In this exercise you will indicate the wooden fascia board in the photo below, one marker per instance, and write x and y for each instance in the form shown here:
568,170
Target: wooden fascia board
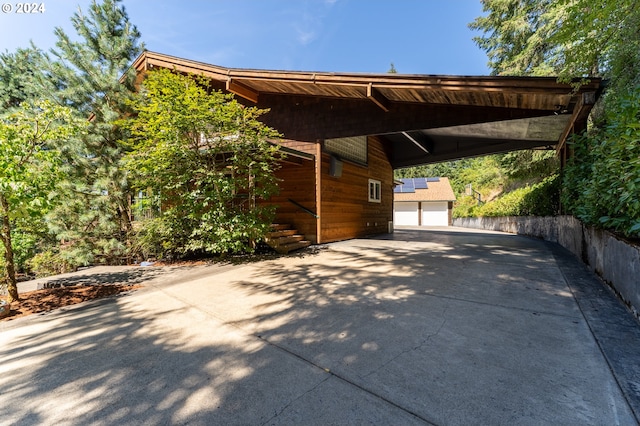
370,85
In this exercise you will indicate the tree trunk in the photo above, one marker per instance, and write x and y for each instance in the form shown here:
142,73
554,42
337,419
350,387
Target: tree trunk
10,270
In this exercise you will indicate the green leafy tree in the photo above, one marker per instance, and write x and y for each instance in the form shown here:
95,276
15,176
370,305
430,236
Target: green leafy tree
516,33
22,80
575,40
569,39
529,165
208,160
30,166
602,182
93,76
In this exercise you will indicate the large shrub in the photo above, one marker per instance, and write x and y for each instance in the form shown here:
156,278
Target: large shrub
602,182
208,160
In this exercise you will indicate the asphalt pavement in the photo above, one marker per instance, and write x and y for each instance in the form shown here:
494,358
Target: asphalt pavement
440,326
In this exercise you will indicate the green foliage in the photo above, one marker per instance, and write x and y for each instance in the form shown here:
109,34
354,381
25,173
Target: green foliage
483,173
516,34
30,169
49,262
578,39
209,161
25,245
540,199
529,164
152,239
603,180
93,76
21,78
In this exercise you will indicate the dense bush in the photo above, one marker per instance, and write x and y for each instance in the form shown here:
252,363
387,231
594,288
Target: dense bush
208,160
602,182
49,262
540,199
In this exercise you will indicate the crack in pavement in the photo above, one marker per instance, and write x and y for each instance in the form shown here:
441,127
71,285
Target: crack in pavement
415,348
348,381
309,361
283,409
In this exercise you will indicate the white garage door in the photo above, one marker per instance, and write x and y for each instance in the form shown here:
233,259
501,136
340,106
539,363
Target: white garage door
405,213
435,214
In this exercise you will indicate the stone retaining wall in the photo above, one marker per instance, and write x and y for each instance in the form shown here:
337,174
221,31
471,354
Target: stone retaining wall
615,261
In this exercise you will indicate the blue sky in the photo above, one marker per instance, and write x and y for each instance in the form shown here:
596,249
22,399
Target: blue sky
417,36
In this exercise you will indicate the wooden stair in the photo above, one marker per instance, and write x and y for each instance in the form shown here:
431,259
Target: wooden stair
283,239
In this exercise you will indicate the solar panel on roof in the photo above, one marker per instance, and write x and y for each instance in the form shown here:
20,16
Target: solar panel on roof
408,182
406,187
420,183
409,185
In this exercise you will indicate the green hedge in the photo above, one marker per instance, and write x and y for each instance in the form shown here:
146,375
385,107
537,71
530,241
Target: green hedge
540,199
602,182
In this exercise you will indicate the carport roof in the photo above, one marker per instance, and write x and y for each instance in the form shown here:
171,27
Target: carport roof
427,118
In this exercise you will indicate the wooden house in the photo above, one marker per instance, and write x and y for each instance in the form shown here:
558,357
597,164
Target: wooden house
345,133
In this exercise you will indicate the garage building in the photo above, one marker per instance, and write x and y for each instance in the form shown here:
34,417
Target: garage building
423,202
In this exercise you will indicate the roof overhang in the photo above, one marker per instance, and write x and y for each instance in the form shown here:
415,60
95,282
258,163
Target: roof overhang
426,118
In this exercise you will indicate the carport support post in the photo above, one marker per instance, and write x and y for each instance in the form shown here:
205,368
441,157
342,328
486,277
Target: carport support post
319,192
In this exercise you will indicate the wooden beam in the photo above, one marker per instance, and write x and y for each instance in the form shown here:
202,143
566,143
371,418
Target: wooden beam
319,193
427,150
377,98
242,90
580,113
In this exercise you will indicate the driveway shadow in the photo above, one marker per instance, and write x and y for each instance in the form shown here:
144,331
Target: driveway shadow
438,327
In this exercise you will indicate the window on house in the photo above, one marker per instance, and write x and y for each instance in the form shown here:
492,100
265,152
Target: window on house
374,191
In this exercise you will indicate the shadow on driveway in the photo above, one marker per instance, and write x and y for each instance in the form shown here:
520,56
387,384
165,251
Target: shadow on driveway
419,327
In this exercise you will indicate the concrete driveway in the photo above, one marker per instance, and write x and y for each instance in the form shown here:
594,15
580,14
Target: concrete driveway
445,327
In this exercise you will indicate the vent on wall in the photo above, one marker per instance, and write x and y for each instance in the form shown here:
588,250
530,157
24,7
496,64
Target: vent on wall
351,149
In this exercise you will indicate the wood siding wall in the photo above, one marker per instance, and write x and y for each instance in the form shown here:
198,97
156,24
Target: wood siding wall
346,209
298,183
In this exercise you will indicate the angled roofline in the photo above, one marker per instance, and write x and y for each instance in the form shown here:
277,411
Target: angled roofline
415,100
370,81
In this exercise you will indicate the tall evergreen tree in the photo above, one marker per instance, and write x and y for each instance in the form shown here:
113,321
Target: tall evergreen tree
93,76
578,38
21,78
581,39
